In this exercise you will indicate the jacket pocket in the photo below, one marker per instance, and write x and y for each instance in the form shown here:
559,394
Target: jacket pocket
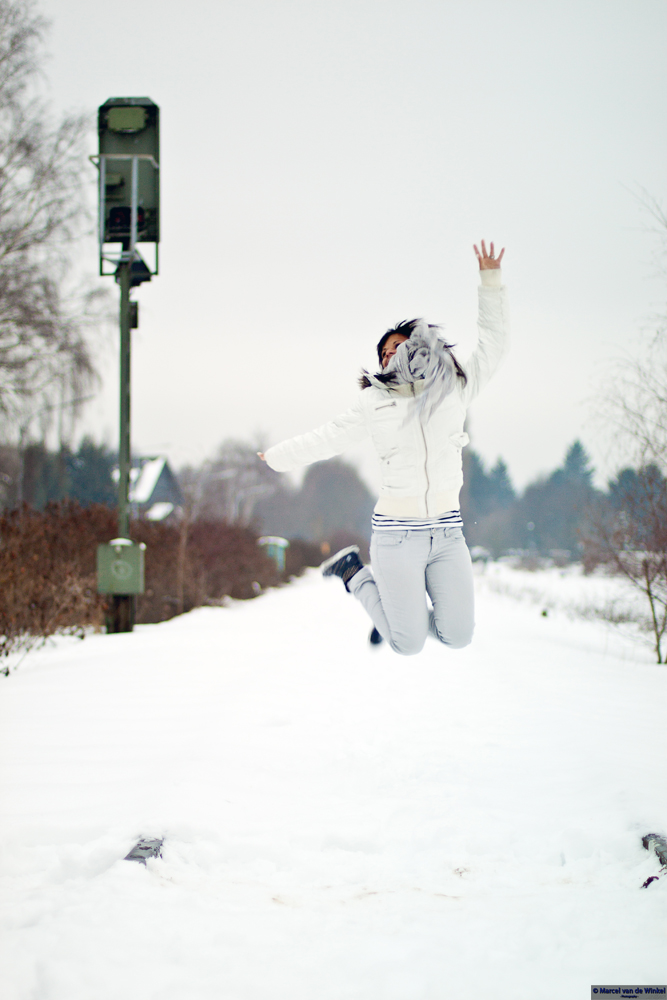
385,425
389,539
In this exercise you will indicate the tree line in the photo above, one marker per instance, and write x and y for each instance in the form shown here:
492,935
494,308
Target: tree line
333,505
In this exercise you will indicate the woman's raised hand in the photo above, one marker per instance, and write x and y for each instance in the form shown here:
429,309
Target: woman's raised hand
487,261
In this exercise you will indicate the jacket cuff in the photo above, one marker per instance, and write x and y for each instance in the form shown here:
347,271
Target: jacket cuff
273,461
492,277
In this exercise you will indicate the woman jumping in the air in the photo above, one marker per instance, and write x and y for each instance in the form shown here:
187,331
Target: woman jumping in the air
414,410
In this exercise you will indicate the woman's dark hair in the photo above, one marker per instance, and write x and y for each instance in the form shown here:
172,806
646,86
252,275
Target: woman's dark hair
406,328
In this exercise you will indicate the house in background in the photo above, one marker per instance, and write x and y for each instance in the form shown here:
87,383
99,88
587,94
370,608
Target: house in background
154,489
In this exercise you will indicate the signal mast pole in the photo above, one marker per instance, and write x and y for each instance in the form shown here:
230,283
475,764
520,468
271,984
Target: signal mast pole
124,445
129,213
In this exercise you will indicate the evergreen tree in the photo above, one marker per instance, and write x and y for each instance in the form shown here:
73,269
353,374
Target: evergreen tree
44,476
486,502
555,506
476,498
501,489
84,475
622,486
577,466
89,474
635,487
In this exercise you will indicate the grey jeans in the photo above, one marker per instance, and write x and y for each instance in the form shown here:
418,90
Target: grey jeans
406,566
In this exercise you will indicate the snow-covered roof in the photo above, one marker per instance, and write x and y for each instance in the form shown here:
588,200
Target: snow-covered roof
159,511
142,489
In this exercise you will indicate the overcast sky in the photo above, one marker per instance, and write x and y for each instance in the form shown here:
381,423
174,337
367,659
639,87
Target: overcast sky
325,170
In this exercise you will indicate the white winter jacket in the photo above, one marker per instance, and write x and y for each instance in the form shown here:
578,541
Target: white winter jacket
421,461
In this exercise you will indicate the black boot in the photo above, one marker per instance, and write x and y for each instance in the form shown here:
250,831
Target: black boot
375,638
343,564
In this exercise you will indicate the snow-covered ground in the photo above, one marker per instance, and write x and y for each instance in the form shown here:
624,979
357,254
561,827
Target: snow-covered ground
340,824
599,596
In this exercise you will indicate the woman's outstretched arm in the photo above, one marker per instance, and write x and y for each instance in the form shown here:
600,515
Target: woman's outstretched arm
324,442
492,322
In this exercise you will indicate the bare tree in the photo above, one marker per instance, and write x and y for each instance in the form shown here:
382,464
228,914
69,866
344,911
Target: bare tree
628,532
194,483
231,483
223,489
45,355
632,403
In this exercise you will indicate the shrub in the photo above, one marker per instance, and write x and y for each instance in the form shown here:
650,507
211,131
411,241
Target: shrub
628,535
47,572
48,569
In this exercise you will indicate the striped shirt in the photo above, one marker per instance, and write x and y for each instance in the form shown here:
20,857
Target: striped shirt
451,519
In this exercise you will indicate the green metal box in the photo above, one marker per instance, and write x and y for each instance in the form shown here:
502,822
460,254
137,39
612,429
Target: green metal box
275,548
120,567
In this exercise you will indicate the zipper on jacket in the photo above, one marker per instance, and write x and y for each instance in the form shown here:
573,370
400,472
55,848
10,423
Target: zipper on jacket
421,427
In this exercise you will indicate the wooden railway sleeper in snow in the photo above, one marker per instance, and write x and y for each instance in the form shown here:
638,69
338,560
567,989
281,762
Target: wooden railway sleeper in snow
145,848
654,842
